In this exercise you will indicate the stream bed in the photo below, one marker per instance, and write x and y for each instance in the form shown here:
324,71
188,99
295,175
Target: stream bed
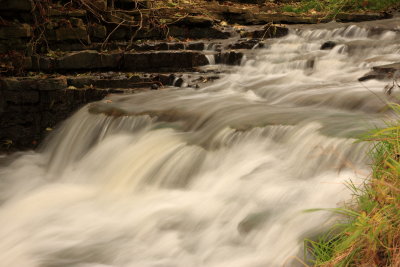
218,176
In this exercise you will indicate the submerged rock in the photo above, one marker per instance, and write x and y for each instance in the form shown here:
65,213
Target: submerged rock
252,221
328,45
382,72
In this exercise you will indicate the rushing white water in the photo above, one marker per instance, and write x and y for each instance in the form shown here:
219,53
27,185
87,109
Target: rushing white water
212,177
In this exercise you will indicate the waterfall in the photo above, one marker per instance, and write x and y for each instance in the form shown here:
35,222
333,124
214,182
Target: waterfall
214,177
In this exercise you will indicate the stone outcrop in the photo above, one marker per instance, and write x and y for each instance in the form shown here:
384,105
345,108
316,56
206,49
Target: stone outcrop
72,56
31,107
129,61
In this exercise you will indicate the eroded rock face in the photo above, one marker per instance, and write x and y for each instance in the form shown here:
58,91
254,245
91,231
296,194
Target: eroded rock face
29,106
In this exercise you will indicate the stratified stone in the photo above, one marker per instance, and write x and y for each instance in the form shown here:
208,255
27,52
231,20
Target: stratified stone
164,60
198,32
52,84
68,13
21,97
358,17
269,31
195,21
86,60
74,33
17,84
16,5
26,84
15,30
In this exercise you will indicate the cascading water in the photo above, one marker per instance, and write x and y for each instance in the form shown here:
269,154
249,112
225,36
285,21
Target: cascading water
212,177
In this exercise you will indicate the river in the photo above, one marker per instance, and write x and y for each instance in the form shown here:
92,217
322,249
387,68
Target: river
218,176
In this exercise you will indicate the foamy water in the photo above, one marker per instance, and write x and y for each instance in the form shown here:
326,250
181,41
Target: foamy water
212,177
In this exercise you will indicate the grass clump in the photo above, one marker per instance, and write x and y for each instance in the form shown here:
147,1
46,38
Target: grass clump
336,6
369,233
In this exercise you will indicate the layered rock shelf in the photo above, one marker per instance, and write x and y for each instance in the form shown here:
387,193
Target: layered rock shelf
56,58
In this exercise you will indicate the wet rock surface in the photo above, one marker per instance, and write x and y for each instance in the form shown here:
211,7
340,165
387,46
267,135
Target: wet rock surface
120,56
328,45
389,71
30,109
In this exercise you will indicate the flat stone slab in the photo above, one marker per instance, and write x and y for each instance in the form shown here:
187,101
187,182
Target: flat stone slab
120,80
66,13
16,5
15,30
164,61
33,83
130,61
264,32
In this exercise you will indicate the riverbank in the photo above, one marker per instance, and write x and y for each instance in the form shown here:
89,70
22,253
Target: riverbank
368,234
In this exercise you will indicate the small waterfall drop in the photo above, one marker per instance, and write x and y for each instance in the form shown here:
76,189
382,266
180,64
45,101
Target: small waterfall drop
212,177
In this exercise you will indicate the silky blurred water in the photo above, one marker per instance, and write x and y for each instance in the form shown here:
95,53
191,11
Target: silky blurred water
212,177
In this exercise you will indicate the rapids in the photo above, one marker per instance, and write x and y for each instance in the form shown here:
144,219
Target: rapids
214,177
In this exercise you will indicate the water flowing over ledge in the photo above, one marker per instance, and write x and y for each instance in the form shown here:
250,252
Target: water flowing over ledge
211,177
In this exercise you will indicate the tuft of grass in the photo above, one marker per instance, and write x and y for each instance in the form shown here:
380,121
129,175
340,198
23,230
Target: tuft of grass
333,7
369,232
